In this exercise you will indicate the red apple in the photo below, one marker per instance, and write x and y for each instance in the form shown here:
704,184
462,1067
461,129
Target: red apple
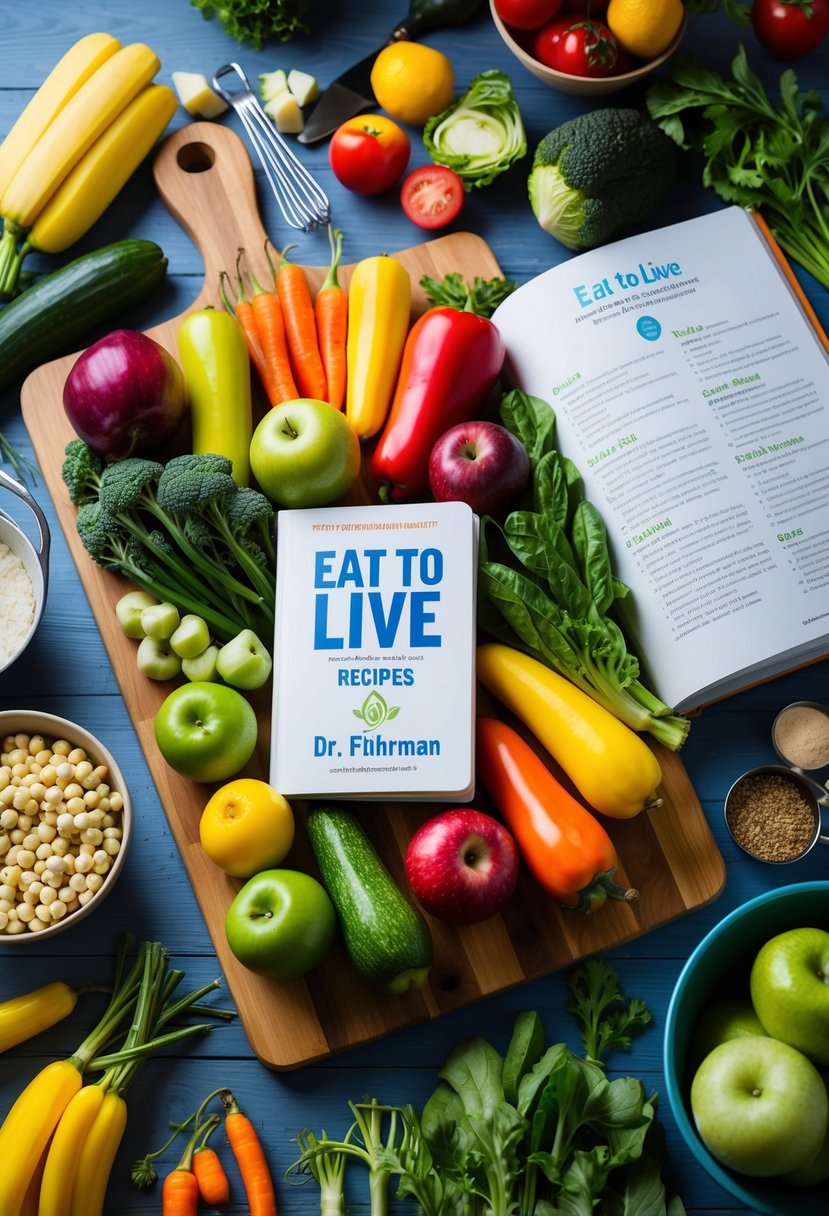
480,463
462,866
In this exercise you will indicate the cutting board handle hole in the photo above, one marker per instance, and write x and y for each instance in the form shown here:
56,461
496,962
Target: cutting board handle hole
195,158
449,981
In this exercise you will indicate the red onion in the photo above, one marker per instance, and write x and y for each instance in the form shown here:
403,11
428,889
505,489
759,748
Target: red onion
125,395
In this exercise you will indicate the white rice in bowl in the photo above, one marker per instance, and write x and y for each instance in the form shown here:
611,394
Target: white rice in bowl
17,603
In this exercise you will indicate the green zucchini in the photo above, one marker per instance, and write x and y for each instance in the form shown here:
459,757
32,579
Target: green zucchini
385,936
55,314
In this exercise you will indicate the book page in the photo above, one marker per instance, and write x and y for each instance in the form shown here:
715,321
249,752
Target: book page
693,395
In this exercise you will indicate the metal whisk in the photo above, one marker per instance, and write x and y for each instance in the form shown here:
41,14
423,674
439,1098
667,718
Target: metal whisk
302,201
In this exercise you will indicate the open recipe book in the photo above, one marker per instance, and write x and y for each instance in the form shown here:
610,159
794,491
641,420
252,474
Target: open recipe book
690,382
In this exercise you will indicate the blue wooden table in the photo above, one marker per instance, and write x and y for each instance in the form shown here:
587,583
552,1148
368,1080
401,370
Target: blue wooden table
66,671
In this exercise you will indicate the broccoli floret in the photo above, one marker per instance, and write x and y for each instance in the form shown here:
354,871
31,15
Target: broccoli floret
81,472
127,484
599,174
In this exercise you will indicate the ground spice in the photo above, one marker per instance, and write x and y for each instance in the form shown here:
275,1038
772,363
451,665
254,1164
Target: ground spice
771,816
801,734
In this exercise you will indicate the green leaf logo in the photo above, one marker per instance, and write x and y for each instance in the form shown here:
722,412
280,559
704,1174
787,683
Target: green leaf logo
374,711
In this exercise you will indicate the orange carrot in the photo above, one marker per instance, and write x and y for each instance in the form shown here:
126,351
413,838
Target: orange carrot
214,1186
244,315
301,328
331,311
180,1193
250,1158
270,323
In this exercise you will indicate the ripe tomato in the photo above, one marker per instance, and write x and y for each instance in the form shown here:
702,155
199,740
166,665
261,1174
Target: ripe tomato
526,14
369,153
432,196
790,28
579,48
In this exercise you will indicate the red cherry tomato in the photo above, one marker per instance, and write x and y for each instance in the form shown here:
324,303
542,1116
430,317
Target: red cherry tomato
526,14
790,28
432,195
579,48
369,153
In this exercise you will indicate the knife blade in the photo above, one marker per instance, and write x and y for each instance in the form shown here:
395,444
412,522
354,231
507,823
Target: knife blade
351,93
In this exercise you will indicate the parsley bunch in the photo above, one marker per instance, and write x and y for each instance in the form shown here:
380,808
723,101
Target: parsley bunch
256,21
771,155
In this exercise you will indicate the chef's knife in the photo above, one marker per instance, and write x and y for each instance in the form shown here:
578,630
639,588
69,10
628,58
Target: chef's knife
351,92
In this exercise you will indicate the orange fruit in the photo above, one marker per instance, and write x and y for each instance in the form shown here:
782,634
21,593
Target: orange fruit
412,81
645,27
246,827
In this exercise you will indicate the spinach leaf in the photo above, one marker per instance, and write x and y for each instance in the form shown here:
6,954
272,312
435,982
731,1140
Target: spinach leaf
524,1051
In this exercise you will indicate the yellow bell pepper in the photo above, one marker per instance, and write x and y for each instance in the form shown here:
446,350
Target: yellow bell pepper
609,764
379,310
216,366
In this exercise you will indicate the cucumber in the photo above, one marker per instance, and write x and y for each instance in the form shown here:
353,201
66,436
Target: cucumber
386,937
57,312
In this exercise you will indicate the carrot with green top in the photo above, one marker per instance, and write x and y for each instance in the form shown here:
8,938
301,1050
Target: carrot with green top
180,1193
331,309
270,322
250,1158
214,1185
301,328
243,312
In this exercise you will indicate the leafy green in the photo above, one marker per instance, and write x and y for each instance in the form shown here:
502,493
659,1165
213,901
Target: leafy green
537,1132
607,1021
482,297
551,590
256,21
481,134
769,155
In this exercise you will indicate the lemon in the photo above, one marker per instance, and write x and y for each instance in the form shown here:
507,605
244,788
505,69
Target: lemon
412,81
645,27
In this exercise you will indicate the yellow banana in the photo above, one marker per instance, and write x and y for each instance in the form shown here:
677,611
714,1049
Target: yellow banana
62,83
24,1016
97,1157
93,183
28,1126
87,114
65,1151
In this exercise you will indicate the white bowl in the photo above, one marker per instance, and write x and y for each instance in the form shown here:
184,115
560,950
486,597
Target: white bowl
585,86
35,560
53,728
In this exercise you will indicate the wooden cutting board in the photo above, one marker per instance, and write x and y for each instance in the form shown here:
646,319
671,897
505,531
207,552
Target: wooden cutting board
205,177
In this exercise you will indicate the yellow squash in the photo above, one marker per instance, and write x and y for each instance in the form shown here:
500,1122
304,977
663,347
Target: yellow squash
82,59
611,766
28,1126
71,1134
83,196
22,1017
86,115
216,366
97,1157
379,310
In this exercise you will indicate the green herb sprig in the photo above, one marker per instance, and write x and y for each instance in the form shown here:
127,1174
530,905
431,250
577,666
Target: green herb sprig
257,21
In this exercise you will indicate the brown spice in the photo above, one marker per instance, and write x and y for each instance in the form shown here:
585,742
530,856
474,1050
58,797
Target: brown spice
771,817
801,734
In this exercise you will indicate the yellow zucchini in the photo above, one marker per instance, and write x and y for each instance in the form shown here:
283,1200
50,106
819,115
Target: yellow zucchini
610,765
22,1017
71,1134
97,1157
28,1126
62,83
98,101
93,183
379,311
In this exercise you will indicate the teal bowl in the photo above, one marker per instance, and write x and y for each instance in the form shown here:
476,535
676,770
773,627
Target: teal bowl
719,967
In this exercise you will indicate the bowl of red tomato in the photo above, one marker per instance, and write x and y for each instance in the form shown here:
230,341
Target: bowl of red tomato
571,45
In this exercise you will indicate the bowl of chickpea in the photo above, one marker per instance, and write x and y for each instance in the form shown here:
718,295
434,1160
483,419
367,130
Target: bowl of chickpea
65,824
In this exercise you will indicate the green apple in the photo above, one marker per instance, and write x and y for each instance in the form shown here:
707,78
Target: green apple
244,661
281,924
305,453
206,731
814,1171
192,636
790,990
128,612
727,1019
156,659
202,666
160,620
760,1106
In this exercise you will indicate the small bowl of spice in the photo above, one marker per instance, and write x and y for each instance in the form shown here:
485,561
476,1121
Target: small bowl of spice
800,735
773,814
24,575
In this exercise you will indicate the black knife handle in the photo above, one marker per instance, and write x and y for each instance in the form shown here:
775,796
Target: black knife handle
424,15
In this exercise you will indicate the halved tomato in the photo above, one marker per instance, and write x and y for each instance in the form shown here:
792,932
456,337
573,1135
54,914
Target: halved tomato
431,196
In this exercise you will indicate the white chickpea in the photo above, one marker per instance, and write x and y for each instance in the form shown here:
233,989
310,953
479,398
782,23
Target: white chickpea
111,846
25,912
48,896
26,859
46,833
5,845
60,847
55,864
94,882
31,842
80,820
92,836
83,863
78,883
76,807
8,818
57,910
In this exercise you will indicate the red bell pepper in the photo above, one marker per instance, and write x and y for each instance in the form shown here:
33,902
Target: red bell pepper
451,361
